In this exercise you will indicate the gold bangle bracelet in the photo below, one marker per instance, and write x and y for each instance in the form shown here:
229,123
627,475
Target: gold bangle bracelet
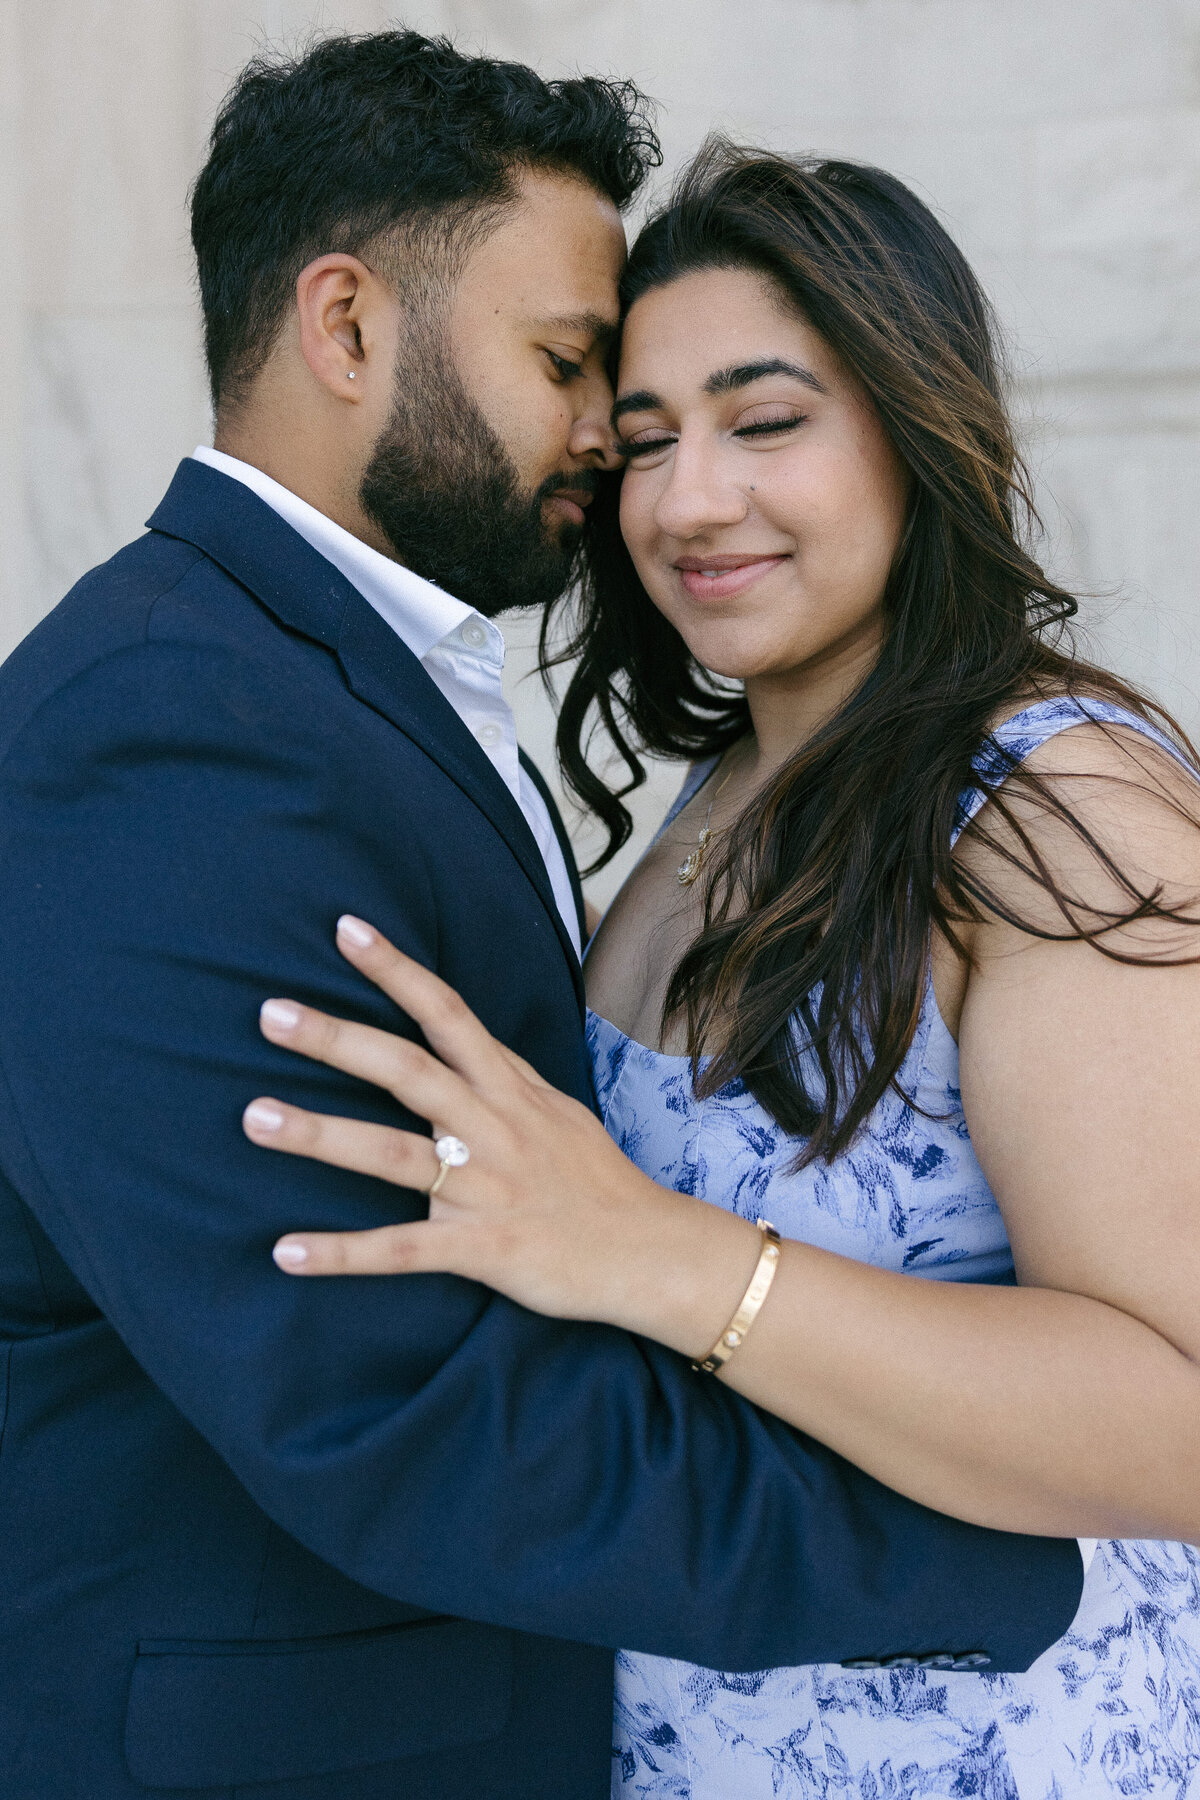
734,1333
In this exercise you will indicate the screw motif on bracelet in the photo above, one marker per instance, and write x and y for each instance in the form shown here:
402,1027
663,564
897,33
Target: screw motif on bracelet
734,1333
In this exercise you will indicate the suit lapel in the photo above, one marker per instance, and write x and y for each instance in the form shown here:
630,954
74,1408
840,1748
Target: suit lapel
260,550
385,674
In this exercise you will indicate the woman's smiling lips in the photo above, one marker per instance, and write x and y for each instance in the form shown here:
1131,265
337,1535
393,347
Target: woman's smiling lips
717,577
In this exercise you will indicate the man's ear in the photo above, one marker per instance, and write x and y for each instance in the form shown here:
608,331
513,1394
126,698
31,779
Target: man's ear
346,324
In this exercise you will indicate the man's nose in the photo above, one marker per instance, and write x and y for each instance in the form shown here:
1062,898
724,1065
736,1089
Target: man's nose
592,436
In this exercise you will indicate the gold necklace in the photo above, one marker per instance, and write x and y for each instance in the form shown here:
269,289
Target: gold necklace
693,862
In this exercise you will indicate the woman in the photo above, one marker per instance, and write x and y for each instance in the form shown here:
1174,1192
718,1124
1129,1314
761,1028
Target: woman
910,971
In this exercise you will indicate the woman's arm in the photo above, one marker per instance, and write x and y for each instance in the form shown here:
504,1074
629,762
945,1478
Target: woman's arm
1070,1405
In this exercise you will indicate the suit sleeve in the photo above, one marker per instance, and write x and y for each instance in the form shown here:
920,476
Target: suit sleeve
176,846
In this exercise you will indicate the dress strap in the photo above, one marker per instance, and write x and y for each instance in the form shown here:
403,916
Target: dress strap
1011,742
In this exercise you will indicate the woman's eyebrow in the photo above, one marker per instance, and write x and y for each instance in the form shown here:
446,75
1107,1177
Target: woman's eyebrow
725,381
640,401
740,375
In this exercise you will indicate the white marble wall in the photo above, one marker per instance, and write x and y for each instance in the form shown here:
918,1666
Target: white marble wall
1059,138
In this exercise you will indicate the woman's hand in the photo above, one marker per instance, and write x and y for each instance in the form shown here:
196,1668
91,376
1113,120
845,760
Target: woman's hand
547,1210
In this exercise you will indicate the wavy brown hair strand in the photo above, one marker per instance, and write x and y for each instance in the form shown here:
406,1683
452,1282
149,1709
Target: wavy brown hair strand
807,979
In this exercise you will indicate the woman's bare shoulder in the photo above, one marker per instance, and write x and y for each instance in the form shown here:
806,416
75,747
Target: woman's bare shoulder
1103,816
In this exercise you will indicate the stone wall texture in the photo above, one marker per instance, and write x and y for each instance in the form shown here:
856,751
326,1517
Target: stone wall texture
1058,139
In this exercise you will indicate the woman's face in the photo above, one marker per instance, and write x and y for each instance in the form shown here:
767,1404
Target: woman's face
762,502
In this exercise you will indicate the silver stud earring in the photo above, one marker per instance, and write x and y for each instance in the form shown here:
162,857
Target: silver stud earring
350,375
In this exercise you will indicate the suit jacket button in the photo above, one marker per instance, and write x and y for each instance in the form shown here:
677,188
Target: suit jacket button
900,1662
862,1662
971,1659
941,1659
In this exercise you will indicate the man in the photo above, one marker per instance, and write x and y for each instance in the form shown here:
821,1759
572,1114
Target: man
312,1539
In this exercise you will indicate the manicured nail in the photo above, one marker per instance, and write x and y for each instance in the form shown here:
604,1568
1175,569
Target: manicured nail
262,1116
290,1256
281,1013
355,932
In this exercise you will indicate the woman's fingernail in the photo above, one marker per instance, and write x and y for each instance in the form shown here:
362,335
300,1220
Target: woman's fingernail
281,1013
290,1256
355,932
262,1116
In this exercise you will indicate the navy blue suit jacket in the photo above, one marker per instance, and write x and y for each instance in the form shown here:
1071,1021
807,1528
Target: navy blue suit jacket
337,1538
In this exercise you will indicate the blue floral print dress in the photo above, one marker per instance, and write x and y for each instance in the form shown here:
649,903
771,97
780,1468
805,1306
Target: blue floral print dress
1114,1707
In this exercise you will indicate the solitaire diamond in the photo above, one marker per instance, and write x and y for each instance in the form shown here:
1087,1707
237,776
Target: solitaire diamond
452,1151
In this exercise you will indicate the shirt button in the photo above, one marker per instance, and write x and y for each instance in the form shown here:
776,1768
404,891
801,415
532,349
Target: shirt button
489,736
474,634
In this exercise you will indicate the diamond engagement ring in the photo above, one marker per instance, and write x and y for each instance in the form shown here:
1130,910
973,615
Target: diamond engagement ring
451,1153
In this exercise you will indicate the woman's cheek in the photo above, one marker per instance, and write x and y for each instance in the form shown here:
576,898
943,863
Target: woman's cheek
638,528
630,510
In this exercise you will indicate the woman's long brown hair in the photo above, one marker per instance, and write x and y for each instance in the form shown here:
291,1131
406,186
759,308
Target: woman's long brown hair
807,979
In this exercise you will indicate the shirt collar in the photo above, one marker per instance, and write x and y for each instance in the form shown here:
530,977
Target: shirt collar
420,613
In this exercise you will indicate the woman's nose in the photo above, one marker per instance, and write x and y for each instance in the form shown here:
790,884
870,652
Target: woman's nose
697,496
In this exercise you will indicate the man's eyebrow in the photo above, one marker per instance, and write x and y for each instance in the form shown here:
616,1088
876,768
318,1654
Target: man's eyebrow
740,375
591,324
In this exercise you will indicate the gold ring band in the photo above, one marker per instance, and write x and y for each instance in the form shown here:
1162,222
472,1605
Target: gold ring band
451,1153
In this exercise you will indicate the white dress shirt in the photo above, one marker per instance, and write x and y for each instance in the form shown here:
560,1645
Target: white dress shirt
460,650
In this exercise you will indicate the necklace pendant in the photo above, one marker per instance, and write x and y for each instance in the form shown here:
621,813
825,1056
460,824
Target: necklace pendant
690,867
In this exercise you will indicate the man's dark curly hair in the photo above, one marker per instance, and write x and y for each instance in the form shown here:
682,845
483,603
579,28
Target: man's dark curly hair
388,134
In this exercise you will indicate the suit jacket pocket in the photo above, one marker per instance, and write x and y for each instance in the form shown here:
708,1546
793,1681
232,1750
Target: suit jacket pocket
223,1714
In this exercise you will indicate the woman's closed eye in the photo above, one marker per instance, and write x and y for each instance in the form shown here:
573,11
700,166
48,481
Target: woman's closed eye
770,426
759,424
645,443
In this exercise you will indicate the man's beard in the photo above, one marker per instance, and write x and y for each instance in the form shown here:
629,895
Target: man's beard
445,493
